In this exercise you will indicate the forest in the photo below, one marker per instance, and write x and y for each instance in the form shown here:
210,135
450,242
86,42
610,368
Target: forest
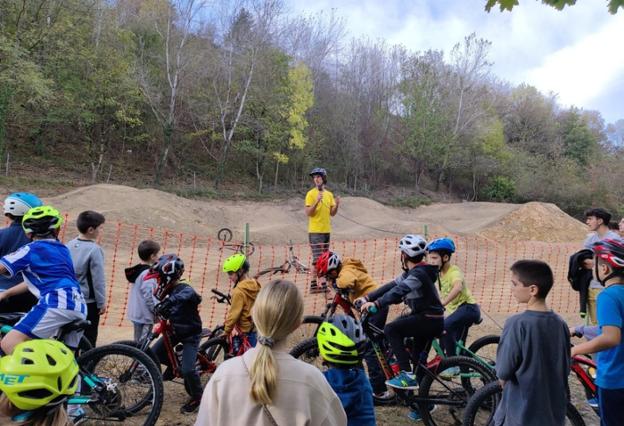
215,95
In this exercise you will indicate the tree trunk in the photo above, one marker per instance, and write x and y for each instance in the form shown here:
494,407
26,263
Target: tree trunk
168,139
277,163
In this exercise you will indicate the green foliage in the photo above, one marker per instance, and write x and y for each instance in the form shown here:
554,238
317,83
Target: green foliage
301,99
613,5
412,201
501,188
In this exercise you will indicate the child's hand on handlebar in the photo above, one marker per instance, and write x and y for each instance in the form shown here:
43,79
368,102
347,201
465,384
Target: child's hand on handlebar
368,307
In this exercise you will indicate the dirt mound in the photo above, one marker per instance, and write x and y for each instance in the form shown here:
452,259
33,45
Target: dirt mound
537,222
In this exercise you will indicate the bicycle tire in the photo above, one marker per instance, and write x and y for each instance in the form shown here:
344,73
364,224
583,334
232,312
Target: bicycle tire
308,352
455,392
213,349
149,351
573,417
84,345
247,250
224,234
485,348
90,360
486,398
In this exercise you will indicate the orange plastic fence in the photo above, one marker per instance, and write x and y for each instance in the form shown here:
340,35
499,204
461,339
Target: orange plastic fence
485,264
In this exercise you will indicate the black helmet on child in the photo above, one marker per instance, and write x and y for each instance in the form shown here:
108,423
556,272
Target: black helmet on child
321,172
169,269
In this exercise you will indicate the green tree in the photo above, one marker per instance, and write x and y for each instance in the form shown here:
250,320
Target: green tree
613,5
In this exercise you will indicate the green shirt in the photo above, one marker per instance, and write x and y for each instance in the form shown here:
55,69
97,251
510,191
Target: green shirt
446,282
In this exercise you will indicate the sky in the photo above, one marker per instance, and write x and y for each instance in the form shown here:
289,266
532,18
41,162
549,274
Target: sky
577,53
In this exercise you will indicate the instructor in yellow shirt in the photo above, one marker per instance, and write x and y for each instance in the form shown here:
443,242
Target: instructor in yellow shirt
320,205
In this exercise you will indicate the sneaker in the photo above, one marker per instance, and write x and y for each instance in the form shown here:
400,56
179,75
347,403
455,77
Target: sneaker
403,380
450,373
593,402
415,416
384,398
191,406
76,414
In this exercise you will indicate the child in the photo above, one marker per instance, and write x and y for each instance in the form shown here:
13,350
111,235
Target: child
88,259
609,344
141,300
351,274
533,359
49,274
179,304
461,308
12,238
244,292
341,340
425,320
38,397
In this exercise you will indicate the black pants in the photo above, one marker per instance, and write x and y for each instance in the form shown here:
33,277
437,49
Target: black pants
421,328
375,374
190,346
93,315
463,317
20,303
610,402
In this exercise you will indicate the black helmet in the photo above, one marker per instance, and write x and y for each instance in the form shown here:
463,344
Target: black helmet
169,268
321,172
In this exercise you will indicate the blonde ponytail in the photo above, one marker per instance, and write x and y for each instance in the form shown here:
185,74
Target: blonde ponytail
277,311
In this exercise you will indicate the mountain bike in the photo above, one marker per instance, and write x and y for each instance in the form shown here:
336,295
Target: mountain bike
292,261
118,384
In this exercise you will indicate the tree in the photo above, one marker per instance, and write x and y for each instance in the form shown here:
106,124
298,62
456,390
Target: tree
613,5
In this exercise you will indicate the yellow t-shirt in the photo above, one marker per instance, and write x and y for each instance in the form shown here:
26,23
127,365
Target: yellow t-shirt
451,276
319,222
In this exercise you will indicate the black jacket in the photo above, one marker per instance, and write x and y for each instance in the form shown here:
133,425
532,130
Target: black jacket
415,287
579,276
181,308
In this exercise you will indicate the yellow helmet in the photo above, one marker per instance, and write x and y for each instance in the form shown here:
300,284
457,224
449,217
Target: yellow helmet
40,372
235,263
42,220
341,340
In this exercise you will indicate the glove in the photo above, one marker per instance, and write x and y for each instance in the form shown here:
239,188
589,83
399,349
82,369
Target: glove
162,309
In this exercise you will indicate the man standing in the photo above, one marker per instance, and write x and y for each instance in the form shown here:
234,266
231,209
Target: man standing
320,205
598,222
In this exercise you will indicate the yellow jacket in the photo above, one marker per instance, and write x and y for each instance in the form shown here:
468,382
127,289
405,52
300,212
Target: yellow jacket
354,276
243,298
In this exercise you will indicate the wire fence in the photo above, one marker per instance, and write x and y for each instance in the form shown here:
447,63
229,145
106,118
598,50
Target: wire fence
485,264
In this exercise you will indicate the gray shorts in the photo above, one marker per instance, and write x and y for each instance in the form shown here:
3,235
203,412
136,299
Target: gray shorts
318,243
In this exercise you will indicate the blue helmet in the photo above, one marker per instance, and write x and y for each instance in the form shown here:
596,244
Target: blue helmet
443,245
18,203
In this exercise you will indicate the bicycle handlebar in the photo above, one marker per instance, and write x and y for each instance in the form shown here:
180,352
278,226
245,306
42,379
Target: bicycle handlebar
221,297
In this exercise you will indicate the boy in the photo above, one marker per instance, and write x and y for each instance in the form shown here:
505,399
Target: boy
179,304
341,340
49,274
141,300
597,221
533,359
350,274
461,307
244,292
88,258
12,238
609,345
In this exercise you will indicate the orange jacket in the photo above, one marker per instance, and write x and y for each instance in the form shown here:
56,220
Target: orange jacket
243,298
354,276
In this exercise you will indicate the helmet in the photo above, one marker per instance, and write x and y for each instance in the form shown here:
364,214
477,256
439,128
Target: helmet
413,245
341,339
442,245
169,268
319,171
611,252
235,263
326,262
41,220
40,372
18,203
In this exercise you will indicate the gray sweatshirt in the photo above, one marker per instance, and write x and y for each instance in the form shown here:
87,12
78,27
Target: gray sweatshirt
88,258
141,300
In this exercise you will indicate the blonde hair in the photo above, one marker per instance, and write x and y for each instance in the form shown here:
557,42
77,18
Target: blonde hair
277,312
58,418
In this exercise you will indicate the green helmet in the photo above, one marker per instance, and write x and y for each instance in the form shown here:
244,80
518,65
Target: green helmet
42,220
340,340
235,263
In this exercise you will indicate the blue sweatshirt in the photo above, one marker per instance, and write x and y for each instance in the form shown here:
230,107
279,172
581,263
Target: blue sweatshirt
356,395
11,238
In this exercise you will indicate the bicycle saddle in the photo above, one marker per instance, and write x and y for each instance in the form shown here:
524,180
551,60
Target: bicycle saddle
11,318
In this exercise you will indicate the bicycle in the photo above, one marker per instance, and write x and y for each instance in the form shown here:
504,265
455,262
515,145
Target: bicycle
224,234
292,261
482,407
117,383
247,248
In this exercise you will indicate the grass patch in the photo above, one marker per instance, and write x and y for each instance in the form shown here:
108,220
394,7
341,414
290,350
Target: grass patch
410,201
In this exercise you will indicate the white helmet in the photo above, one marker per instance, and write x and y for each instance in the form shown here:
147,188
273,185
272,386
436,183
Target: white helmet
18,203
413,245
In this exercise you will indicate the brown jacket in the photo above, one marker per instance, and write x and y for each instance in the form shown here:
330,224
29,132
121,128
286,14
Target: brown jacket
243,298
354,276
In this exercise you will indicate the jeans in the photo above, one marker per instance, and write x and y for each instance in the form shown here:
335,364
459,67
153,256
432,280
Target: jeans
190,346
465,315
610,402
423,329
141,331
375,374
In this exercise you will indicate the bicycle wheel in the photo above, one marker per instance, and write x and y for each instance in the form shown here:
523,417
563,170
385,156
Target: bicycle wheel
248,250
438,390
573,417
485,349
224,234
216,351
306,330
308,351
482,405
84,345
149,351
133,387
